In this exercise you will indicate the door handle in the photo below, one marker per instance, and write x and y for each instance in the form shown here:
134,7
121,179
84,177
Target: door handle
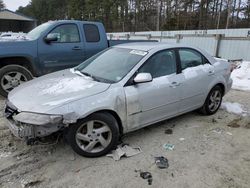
211,72
175,84
76,48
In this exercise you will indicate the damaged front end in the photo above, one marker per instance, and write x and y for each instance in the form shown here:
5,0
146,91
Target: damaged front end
31,126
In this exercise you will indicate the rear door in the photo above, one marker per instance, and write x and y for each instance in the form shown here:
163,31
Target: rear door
67,51
197,74
153,101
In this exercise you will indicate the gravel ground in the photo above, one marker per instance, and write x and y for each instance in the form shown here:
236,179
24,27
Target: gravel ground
212,154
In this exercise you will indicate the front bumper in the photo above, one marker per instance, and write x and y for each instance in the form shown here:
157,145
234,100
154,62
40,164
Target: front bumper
25,130
21,131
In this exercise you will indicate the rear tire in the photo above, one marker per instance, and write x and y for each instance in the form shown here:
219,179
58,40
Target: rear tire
12,76
94,136
213,101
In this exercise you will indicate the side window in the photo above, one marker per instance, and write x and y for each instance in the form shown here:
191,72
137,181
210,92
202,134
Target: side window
67,33
91,33
160,64
190,58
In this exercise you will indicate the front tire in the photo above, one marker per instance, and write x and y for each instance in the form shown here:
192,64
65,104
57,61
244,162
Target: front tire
12,76
95,135
213,101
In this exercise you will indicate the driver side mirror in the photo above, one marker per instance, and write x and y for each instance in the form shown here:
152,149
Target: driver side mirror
52,37
143,77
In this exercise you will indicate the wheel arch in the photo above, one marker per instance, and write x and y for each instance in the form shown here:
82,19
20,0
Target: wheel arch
115,115
222,86
18,60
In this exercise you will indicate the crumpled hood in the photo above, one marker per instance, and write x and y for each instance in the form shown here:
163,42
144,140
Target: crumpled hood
53,90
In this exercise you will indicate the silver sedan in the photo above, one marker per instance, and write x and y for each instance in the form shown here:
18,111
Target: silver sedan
119,90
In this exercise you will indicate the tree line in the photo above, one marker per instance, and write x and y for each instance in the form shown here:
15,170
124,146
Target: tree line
145,15
2,5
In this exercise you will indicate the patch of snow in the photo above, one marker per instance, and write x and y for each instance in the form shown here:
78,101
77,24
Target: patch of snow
67,85
241,77
5,154
9,36
193,71
234,108
220,59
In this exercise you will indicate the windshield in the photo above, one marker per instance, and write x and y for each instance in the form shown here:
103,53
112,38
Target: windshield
111,65
36,33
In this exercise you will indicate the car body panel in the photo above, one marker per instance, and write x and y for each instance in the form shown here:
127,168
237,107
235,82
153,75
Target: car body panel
148,102
136,105
53,90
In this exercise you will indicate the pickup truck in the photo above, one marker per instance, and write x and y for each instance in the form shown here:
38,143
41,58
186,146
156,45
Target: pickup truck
52,46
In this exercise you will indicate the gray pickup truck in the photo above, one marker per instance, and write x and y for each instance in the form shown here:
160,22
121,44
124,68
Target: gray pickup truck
52,46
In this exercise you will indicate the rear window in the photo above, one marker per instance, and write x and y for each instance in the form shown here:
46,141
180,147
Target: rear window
91,33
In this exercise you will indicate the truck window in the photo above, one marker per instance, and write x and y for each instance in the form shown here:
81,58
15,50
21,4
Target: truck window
91,33
66,33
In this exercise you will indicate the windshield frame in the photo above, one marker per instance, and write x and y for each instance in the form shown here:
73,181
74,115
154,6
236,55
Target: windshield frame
97,78
41,28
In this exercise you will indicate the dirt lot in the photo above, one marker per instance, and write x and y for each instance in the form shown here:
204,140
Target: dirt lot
212,155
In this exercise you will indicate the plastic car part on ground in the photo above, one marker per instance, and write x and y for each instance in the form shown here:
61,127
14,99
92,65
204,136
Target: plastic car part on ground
169,147
161,162
124,150
148,176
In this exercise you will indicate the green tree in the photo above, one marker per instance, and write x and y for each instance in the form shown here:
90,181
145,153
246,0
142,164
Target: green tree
76,9
145,15
2,5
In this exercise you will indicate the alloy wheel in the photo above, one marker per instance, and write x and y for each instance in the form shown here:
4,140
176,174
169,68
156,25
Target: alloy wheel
214,100
11,80
93,136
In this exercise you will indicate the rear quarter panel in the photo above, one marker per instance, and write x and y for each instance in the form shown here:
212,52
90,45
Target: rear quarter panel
222,75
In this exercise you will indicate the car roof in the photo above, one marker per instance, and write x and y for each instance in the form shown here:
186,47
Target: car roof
147,46
157,46
72,21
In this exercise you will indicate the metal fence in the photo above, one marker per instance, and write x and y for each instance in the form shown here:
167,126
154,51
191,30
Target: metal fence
232,44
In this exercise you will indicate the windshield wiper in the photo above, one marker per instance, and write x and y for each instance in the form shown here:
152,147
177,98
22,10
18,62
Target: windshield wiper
90,75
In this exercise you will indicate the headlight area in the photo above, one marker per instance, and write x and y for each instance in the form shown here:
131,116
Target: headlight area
37,119
29,125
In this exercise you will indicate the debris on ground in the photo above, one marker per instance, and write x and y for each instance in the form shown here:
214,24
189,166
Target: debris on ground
229,133
169,147
169,131
27,184
218,130
124,151
161,162
147,176
33,183
234,123
181,139
240,122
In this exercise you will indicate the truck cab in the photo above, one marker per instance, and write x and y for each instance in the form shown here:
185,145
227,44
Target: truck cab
52,46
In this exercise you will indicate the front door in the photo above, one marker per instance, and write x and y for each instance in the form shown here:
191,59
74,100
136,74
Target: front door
67,51
154,101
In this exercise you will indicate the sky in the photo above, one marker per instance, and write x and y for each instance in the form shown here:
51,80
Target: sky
14,4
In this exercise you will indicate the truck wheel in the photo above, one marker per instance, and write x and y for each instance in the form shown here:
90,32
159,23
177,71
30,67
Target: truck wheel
12,76
94,136
213,101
